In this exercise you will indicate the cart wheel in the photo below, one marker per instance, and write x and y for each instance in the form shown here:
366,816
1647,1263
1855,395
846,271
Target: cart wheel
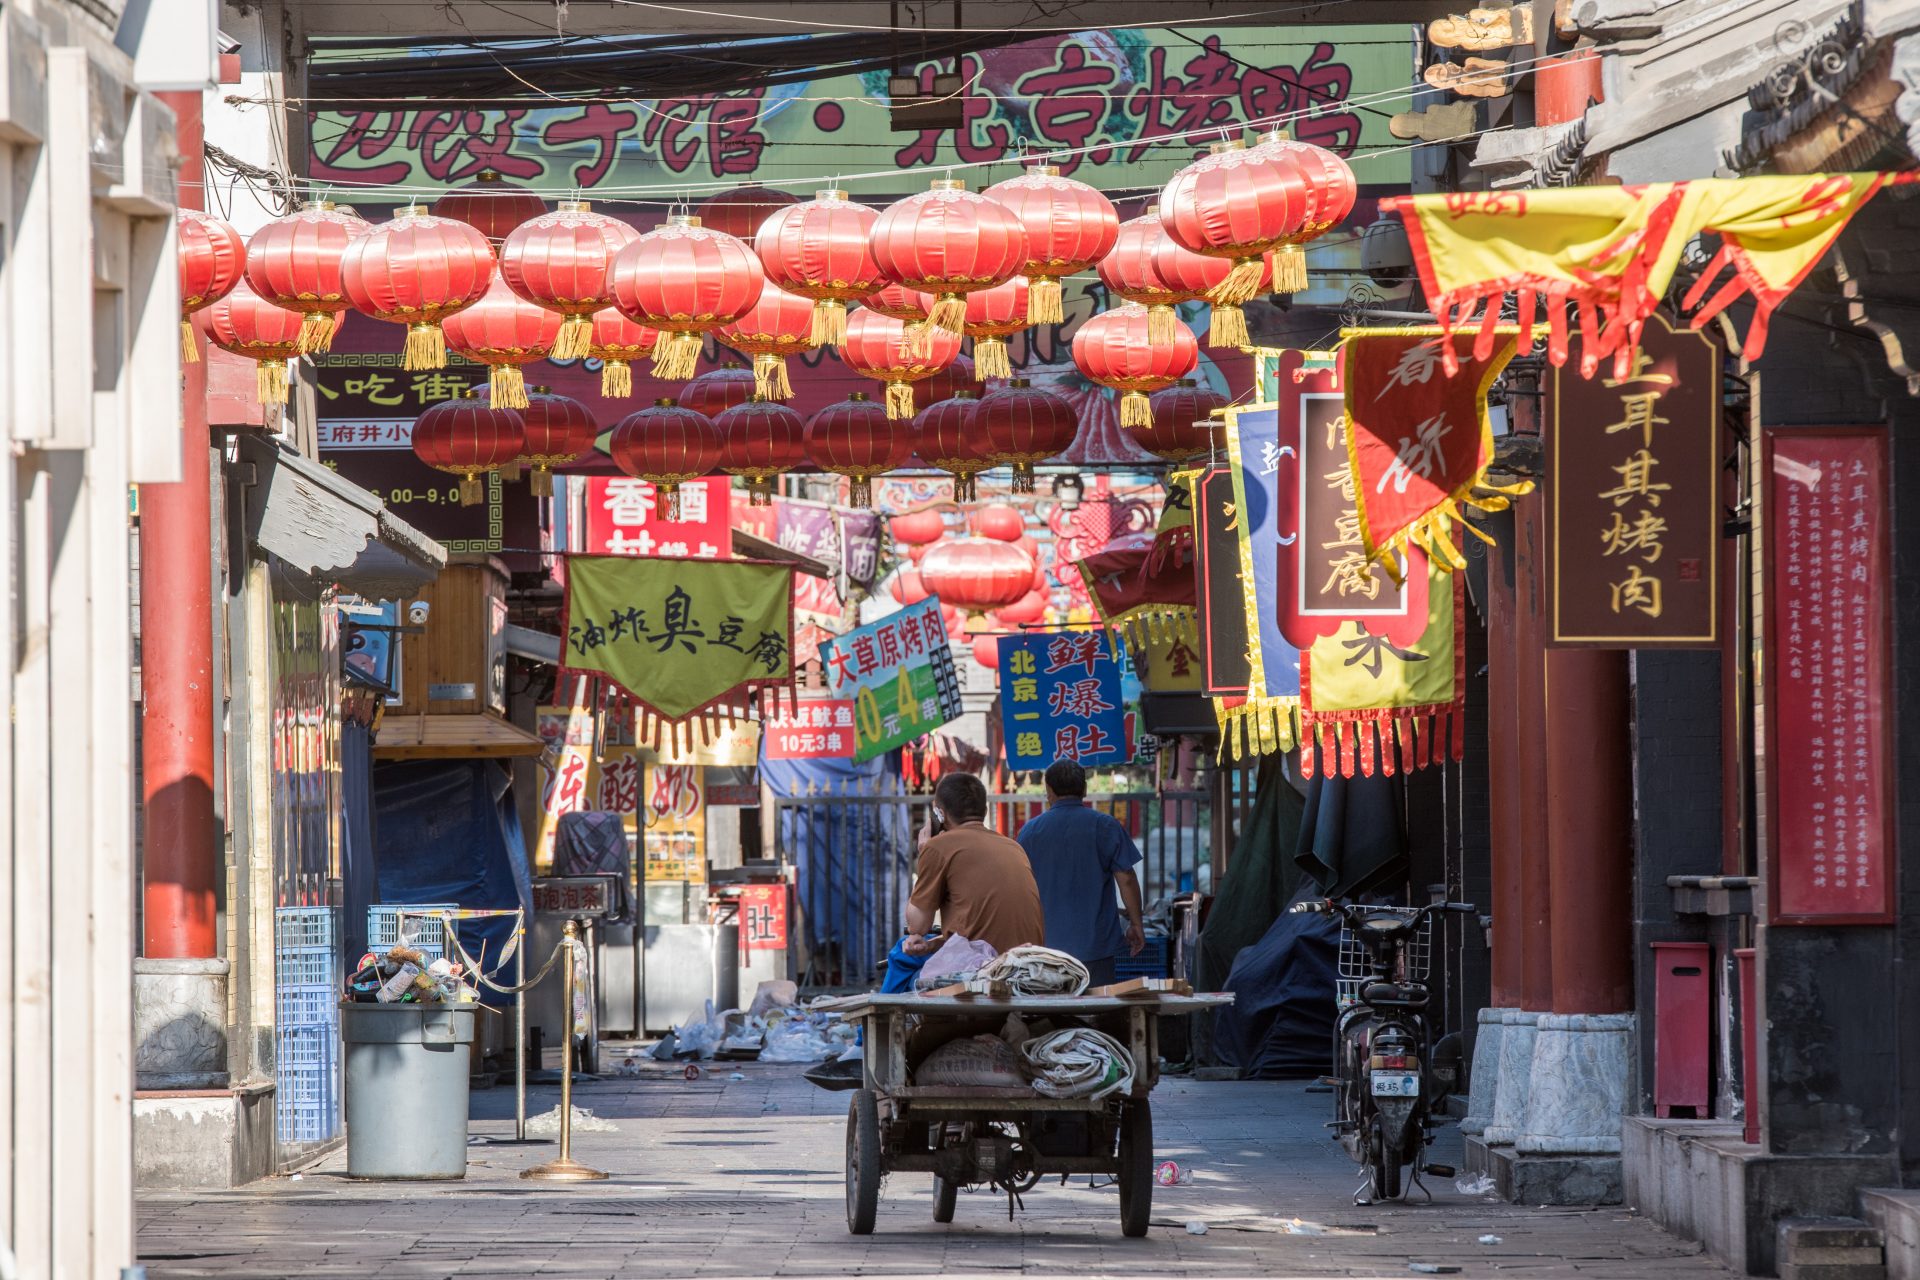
945,1194
1136,1168
863,1162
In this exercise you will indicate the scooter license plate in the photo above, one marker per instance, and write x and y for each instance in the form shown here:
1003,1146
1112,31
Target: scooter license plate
1395,1085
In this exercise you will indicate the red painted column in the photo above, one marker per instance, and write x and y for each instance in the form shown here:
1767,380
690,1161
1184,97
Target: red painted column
1504,804
182,846
1590,839
1530,702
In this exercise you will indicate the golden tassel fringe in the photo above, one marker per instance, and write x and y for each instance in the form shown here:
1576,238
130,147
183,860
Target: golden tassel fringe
1289,269
507,386
189,348
916,340
669,494
760,491
510,470
316,332
426,348
949,313
859,491
1257,727
676,357
1229,328
829,322
541,483
770,377
616,379
899,400
1135,411
1242,284
270,381
575,339
990,359
1043,301
1023,477
472,489
1163,326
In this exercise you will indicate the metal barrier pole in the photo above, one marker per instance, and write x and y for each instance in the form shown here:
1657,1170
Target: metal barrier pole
520,1029
565,1168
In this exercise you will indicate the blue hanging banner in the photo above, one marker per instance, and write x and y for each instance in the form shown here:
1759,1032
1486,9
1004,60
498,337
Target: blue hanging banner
1061,699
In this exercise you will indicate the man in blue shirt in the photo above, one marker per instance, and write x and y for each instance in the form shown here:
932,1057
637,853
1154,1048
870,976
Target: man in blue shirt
1079,855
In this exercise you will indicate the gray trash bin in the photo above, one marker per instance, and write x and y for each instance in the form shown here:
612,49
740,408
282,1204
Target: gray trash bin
406,1089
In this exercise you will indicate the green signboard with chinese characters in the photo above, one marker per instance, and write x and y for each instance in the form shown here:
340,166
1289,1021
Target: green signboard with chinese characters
899,674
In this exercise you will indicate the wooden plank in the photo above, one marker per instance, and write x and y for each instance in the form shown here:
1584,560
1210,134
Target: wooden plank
1144,987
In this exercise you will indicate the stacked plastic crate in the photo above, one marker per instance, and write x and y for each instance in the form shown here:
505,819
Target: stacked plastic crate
306,1025
389,924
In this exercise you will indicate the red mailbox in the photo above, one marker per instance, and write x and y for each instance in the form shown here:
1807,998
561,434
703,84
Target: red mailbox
1682,1017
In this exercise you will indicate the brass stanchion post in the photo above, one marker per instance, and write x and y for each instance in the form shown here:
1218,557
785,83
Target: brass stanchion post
565,1168
520,1029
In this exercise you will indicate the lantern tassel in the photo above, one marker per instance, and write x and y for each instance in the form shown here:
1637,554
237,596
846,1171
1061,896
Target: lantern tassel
949,313
829,322
1023,477
1043,301
1135,411
990,359
770,377
426,348
510,470
472,489
760,491
316,332
1163,324
964,488
916,339
859,491
616,379
575,339
189,349
900,401
669,496
507,386
677,356
270,381
541,483
1241,284
1289,269
1228,329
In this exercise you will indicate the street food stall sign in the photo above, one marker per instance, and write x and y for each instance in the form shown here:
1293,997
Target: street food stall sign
574,895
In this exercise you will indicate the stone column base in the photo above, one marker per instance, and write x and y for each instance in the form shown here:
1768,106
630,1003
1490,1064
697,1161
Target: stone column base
1517,1032
180,1024
1485,1074
1578,1093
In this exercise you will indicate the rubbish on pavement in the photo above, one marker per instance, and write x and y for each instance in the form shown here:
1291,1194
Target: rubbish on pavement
985,1061
1077,1062
403,975
1037,971
1433,1268
1301,1227
773,993
547,1123
1478,1186
1168,1173
1489,1239
1196,1228
692,1072
736,1075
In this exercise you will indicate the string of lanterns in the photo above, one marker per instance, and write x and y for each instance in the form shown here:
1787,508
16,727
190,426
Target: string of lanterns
491,273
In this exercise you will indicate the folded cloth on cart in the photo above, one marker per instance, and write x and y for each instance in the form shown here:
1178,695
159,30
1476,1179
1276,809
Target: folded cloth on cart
1038,971
1078,1062
957,960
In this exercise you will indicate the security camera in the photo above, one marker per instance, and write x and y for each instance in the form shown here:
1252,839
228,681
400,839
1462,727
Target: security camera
417,613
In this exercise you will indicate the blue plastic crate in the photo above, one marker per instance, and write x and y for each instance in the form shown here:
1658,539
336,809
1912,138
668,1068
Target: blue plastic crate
1152,962
303,967
307,1100
425,934
316,1005
303,927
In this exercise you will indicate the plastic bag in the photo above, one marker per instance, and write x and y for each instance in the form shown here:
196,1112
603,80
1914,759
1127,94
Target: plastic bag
797,1040
698,1038
957,958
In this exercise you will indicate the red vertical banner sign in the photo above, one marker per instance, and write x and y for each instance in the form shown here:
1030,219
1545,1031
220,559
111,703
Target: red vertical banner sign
1829,677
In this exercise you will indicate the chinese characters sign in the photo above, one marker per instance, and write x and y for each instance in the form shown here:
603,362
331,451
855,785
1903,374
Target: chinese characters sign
1829,688
1634,513
813,729
1223,614
899,675
680,636
674,842
622,519
763,916
1060,700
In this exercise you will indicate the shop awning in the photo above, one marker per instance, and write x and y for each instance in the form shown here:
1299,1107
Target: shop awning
329,528
473,736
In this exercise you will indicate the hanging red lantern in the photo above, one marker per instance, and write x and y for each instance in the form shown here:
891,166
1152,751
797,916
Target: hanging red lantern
559,429
563,261
685,280
667,445
503,331
468,438
857,439
617,343
992,315
919,553
1178,430
248,325
742,211
1192,277
998,521
294,262
949,242
1025,425
491,205
947,435
977,574
986,652
213,258
900,303
718,390
1331,192
1235,204
906,587
917,527
778,326
946,384
1116,349
1031,607
877,347
819,250
1131,271
1070,226
759,440
417,270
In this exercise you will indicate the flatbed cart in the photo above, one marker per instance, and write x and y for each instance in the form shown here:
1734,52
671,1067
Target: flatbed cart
967,1135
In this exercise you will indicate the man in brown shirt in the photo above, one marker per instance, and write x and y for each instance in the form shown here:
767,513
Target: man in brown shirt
979,881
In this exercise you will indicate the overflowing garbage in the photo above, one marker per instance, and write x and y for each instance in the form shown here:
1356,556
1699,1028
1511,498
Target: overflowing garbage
404,975
773,1028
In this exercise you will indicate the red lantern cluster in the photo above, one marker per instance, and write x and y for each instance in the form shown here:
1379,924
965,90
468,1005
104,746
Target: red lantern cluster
998,521
949,242
820,251
685,280
559,429
718,390
1241,204
248,325
741,211
1024,425
946,435
417,270
213,257
855,438
879,347
294,262
993,315
1116,349
617,342
1331,192
977,574
917,528
759,440
1178,431
503,331
469,438
490,205
1190,277
1132,272
778,326
668,445
563,261
1070,226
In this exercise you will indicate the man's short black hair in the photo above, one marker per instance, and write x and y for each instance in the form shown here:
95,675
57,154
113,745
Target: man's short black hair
962,797
1067,778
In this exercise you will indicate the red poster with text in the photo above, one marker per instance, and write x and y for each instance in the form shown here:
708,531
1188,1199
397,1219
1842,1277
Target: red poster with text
623,519
816,729
763,917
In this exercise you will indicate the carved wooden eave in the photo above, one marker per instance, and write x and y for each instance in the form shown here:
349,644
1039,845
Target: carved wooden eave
1882,291
1829,107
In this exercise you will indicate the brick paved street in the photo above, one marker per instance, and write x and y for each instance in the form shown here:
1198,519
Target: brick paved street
719,1178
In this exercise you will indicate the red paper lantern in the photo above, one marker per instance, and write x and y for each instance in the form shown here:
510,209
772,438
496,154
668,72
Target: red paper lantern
1191,277
946,384
998,521
986,652
1331,192
1025,425
1070,226
1132,271
685,280
718,390
294,262
503,331
559,429
742,211
468,438
977,574
857,439
563,261
949,242
1031,607
819,250
947,435
1116,349
778,326
899,302
491,205
1235,204
992,315
917,527
919,553
878,347
906,587
759,440
248,325
213,257
1178,430
617,342
417,270
667,444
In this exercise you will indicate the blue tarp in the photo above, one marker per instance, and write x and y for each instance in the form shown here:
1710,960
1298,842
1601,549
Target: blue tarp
1280,1024
447,831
